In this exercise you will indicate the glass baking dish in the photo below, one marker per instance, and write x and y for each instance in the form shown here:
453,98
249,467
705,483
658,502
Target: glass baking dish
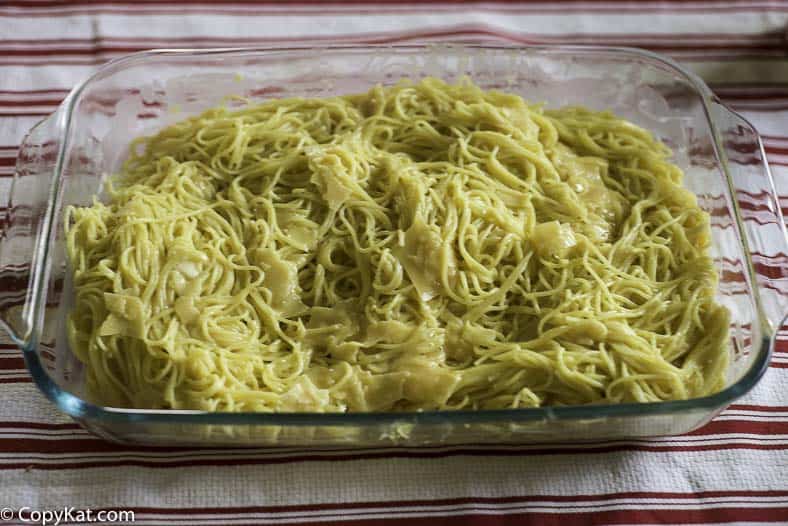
64,158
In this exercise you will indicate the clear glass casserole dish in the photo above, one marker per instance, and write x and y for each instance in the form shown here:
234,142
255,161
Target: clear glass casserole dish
65,157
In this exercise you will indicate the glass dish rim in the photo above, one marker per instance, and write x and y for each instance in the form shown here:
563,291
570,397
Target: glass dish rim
79,408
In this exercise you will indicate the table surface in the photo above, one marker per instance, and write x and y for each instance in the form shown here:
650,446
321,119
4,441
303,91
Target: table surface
734,470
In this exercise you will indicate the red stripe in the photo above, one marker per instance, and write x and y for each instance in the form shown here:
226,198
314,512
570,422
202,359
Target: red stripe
30,102
754,407
14,114
502,517
16,380
100,51
772,39
8,161
663,516
459,501
11,362
34,91
469,506
89,446
106,51
410,454
48,58
476,505
457,38
664,42
776,149
741,426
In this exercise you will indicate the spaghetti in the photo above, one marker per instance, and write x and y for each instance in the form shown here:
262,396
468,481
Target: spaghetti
417,247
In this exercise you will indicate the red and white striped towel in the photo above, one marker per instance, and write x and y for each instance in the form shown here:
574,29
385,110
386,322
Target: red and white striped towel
734,470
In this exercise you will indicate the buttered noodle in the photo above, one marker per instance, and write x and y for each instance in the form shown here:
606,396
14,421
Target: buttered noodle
422,246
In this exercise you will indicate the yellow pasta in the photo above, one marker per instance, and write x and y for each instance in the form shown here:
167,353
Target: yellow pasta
417,247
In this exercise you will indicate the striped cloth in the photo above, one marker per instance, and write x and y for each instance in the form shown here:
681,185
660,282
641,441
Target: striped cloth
734,470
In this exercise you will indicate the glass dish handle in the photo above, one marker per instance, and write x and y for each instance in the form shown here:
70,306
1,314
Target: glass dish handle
25,219
759,209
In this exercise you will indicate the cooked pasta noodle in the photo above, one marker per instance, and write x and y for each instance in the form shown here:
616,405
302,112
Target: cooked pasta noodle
417,247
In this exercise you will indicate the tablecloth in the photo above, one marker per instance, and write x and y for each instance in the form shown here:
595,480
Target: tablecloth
732,471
